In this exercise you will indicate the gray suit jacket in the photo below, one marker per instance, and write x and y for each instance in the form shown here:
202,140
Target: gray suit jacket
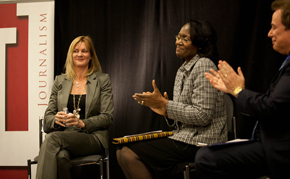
197,108
99,105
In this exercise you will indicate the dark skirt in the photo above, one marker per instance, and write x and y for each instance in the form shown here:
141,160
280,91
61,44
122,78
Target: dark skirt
164,155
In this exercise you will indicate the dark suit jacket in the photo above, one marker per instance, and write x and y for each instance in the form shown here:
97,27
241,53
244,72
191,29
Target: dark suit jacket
99,105
272,112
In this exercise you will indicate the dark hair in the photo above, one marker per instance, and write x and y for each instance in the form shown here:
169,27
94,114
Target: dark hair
203,35
284,5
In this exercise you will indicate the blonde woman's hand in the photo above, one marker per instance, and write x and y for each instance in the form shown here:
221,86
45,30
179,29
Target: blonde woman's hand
60,118
73,120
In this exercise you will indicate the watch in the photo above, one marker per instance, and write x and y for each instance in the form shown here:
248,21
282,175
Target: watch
237,91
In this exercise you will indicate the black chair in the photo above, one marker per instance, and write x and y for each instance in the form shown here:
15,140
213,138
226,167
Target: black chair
80,161
231,124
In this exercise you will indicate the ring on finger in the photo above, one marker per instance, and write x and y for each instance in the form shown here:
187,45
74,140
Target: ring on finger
142,102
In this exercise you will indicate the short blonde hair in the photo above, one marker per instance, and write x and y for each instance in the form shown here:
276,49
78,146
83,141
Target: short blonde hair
94,64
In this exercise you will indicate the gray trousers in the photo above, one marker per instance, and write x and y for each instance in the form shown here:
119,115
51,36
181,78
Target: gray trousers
57,150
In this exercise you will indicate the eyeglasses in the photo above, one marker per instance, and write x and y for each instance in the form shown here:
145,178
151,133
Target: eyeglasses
183,39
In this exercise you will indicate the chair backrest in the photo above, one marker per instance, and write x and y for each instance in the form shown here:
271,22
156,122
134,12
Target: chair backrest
230,114
40,131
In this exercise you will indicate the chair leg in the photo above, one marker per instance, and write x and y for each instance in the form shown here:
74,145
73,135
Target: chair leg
108,168
29,168
186,172
101,169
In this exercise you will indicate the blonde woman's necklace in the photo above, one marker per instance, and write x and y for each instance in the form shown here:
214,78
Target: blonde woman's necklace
77,108
77,84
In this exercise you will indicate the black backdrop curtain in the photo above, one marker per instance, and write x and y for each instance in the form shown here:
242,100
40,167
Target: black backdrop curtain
134,41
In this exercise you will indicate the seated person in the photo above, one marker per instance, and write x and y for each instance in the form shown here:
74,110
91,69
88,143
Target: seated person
197,109
269,152
87,93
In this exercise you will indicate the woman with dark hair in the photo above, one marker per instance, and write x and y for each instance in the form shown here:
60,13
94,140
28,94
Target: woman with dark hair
197,110
86,95
205,38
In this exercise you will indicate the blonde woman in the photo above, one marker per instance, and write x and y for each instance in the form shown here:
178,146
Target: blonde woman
79,112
